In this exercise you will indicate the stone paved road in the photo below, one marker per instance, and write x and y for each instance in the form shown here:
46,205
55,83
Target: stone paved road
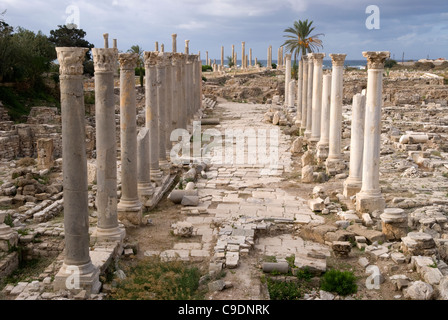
239,201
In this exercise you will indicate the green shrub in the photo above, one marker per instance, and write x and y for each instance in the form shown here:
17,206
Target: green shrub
280,290
389,63
206,68
341,282
9,220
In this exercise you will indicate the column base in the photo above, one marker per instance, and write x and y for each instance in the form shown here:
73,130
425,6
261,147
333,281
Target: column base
351,187
367,203
314,139
322,152
78,278
130,211
335,166
113,234
145,192
394,231
156,176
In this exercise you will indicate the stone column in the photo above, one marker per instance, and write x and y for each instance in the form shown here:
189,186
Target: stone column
162,62
233,55
174,38
243,55
106,146
322,146
335,163
304,93
169,102
187,46
317,96
74,168
250,57
269,66
309,98
152,114
222,56
291,93
176,90
162,48
156,46
206,58
144,185
287,78
117,65
183,93
370,197
299,94
106,40
353,183
129,207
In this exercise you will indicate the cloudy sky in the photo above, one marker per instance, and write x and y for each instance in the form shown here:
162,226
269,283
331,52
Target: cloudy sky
416,27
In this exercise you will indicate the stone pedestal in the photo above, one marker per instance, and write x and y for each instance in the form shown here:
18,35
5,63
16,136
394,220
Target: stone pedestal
76,210
106,159
354,181
394,223
309,97
370,198
323,144
304,93
287,79
45,153
129,207
419,244
317,96
335,163
152,114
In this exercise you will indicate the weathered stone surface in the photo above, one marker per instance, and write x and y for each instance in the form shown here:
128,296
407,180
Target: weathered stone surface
419,290
370,235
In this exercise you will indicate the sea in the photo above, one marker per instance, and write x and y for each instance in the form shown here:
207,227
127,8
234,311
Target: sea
359,64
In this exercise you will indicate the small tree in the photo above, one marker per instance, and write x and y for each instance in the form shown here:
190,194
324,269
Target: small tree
231,63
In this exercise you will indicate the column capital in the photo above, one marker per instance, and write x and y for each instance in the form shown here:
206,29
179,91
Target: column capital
376,59
150,58
305,58
191,58
176,58
128,61
288,56
70,60
318,57
174,35
337,59
164,59
104,59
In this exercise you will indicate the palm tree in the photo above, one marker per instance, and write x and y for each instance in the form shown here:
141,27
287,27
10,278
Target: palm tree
299,39
136,49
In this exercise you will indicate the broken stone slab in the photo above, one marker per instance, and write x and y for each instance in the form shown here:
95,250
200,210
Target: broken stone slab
183,229
217,285
315,266
324,295
363,262
297,145
398,257
307,174
370,235
419,290
316,204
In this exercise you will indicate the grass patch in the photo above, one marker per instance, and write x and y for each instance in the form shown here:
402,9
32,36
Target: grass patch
340,282
280,290
153,279
28,271
26,162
